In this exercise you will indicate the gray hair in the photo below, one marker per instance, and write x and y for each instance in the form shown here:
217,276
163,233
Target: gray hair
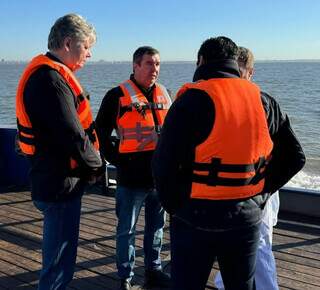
245,58
73,26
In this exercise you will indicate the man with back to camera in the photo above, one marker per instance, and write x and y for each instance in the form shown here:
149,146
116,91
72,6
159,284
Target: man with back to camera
266,274
136,110
55,130
218,158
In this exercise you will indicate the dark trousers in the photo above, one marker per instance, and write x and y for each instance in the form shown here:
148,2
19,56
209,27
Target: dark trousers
194,251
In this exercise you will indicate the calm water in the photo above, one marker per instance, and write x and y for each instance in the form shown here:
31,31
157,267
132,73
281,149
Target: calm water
295,85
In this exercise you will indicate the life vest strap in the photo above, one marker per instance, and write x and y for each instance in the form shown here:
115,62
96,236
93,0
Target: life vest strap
142,107
25,134
23,129
155,106
26,140
212,179
216,165
222,181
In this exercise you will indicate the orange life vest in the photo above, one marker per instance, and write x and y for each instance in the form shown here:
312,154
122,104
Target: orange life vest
230,163
137,128
26,138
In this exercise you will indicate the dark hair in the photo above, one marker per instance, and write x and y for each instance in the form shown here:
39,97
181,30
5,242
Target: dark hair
218,48
141,51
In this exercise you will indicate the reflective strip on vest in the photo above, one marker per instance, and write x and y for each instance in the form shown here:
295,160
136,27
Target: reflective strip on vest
153,105
137,127
132,92
166,95
144,135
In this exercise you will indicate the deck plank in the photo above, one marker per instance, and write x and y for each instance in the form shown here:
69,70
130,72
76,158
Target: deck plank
296,246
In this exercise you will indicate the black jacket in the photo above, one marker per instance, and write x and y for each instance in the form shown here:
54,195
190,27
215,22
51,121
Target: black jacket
51,107
188,123
133,169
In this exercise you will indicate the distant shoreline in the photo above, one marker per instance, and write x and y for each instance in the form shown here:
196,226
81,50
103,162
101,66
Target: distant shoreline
165,61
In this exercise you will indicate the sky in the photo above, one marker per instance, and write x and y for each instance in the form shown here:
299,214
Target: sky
272,29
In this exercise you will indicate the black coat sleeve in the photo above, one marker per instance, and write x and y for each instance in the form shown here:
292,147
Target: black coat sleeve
187,124
288,157
106,123
52,107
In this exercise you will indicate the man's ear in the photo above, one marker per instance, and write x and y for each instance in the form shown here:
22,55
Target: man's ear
251,72
134,66
200,60
67,43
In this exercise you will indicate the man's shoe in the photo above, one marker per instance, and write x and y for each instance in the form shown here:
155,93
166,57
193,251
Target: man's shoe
125,285
157,278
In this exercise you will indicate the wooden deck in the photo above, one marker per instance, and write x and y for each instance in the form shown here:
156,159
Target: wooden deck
296,246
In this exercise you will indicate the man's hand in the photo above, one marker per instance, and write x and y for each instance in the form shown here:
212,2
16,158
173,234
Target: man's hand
96,174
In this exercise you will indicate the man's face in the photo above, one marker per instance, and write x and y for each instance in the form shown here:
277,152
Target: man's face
146,73
78,53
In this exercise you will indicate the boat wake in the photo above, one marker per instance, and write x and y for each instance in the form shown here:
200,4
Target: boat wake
309,177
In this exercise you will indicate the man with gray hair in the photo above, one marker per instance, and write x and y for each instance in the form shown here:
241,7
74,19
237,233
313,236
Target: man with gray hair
245,63
56,133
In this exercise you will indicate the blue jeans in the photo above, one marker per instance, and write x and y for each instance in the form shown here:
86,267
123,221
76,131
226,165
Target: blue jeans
60,241
193,252
128,205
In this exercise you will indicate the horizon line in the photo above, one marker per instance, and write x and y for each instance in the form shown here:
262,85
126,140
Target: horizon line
176,61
